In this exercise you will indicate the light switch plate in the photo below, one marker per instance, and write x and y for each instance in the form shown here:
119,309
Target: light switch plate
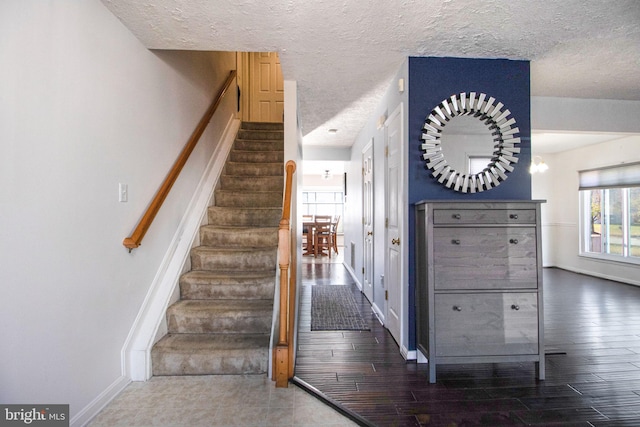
123,193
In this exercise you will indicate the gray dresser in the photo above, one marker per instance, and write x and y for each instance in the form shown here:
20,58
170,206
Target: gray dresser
479,283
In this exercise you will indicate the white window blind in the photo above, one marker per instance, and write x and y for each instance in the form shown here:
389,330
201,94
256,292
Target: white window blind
625,175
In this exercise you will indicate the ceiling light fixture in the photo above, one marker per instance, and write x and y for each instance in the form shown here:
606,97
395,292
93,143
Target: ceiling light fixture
538,165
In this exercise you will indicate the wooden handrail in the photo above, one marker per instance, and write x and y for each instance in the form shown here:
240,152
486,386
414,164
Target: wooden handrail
136,237
283,360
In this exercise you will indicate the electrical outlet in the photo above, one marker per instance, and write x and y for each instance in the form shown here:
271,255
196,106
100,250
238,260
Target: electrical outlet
123,193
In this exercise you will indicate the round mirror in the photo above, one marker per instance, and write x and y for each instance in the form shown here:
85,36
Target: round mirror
469,142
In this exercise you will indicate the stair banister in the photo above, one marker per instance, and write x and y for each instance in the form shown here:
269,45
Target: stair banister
283,360
136,237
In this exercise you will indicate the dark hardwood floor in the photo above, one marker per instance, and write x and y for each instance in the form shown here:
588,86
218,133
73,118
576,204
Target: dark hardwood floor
592,335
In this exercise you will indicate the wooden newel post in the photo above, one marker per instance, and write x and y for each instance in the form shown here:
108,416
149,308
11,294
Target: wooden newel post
282,360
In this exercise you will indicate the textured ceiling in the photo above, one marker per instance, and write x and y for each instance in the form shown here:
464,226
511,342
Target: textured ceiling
343,53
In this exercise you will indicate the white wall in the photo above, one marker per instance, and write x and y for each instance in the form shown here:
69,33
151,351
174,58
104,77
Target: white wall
559,186
317,182
353,208
83,107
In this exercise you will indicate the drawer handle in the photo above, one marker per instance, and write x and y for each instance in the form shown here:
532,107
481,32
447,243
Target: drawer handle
513,216
457,308
515,307
456,216
513,241
455,241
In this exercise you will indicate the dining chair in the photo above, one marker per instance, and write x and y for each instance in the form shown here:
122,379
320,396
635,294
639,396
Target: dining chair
322,235
334,233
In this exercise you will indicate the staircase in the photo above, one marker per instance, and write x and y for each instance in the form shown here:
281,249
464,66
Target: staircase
222,322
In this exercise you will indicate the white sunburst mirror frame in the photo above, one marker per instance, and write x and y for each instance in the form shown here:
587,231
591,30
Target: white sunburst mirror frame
503,131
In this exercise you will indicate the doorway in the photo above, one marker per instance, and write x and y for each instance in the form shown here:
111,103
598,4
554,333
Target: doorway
323,194
261,87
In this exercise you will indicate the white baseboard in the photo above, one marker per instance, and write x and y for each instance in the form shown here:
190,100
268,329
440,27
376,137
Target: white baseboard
90,411
379,314
136,352
353,275
598,275
408,354
376,310
421,357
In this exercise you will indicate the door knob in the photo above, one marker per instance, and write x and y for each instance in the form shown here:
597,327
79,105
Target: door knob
395,241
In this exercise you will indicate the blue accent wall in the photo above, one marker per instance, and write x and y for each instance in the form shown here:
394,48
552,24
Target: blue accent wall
431,80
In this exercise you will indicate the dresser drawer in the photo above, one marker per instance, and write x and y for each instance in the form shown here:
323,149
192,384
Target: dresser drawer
486,324
485,258
484,216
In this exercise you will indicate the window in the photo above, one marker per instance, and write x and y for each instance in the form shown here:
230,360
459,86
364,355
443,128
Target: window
478,163
323,203
610,213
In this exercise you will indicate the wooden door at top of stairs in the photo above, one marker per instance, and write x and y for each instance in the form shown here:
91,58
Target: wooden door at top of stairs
266,94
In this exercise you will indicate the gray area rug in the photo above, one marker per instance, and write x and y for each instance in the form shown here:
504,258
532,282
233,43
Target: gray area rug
333,308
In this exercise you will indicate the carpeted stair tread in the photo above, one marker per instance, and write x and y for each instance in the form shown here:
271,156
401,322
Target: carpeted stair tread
214,316
262,126
254,169
233,215
230,236
258,145
271,138
221,276
248,198
210,354
212,258
199,342
223,285
236,307
260,134
256,156
251,183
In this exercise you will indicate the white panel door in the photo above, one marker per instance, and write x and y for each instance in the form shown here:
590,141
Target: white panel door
367,219
267,88
394,213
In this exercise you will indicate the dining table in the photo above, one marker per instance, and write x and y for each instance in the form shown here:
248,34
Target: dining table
309,224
